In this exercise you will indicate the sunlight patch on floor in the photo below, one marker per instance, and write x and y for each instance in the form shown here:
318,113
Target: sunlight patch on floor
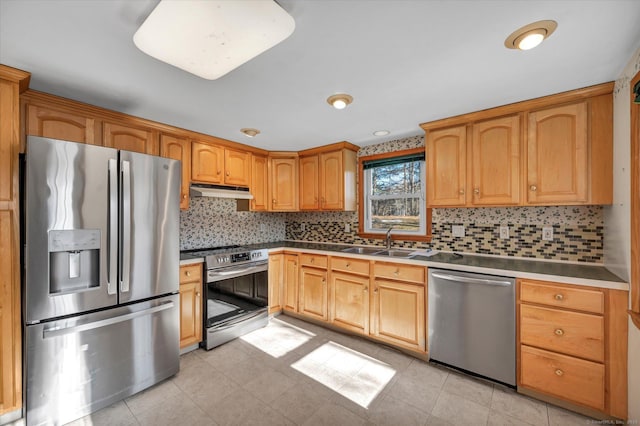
353,375
278,338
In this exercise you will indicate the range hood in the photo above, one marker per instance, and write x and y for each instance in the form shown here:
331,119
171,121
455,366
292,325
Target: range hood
238,193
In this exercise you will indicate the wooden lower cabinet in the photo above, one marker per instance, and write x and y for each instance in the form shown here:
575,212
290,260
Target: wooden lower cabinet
313,293
290,283
190,305
276,273
349,307
398,313
572,345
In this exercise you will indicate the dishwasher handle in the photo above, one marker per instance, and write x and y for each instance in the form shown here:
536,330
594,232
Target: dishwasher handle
469,280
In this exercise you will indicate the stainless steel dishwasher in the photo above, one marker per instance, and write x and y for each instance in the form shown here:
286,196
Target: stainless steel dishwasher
472,323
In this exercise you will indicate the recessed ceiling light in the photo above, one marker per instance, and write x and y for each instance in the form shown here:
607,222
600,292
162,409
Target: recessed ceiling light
210,38
250,132
339,100
381,133
531,35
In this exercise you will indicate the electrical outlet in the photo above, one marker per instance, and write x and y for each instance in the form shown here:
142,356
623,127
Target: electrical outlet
347,227
547,233
457,230
263,227
504,232
303,227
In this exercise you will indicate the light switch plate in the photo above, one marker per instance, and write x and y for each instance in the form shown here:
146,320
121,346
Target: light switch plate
347,227
303,227
504,232
457,230
263,227
547,233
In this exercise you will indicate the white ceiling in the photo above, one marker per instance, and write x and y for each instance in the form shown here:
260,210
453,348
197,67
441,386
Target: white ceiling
405,62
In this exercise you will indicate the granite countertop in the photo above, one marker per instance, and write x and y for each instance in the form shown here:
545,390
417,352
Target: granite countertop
564,272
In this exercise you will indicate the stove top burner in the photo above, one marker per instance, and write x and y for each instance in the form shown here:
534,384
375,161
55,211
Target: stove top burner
218,257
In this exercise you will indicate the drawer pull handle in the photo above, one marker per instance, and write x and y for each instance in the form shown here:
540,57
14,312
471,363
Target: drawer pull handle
461,192
559,332
348,264
396,272
559,372
312,259
533,188
188,273
559,297
476,191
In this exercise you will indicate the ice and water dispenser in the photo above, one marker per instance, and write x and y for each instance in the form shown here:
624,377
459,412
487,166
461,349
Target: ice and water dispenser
74,260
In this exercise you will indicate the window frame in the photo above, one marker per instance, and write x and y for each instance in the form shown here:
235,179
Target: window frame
426,237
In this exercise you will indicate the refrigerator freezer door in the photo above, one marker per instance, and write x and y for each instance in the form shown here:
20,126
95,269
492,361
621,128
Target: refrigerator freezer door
78,365
67,200
149,226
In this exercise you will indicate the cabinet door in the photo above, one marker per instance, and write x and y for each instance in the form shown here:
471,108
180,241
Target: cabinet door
446,166
399,314
350,302
179,149
331,181
130,138
495,162
207,163
284,184
290,299
309,199
313,293
190,313
49,123
557,155
237,167
276,265
259,183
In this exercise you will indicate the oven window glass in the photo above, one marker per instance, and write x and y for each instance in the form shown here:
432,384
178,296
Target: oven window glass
234,297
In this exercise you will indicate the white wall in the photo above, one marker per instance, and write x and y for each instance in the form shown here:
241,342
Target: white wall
617,223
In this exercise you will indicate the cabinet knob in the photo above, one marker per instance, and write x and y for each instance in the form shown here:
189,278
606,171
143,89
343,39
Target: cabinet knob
559,332
559,297
366,289
348,264
188,273
396,272
324,281
228,173
375,290
461,192
184,196
219,172
476,191
198,294
274,201
559,372
312,260
533,188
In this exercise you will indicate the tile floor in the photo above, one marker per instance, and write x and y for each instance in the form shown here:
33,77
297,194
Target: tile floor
296,373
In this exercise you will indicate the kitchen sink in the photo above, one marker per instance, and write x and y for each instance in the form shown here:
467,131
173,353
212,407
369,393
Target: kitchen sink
394,253
362,250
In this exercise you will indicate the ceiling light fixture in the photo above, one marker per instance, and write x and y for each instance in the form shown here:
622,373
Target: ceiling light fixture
250,132
339,100
531,35
381,133
210,38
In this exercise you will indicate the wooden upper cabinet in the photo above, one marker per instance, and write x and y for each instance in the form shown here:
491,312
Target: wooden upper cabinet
446,166
557,155
237,167
129,138
179,149
309,177
51,123
259,187
207,163
494,162
284,184
328,179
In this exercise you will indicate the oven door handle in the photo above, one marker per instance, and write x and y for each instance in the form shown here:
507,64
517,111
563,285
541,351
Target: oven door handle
237,271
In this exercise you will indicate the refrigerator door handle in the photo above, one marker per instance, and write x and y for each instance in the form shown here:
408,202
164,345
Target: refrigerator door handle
57,332
125,253
112,228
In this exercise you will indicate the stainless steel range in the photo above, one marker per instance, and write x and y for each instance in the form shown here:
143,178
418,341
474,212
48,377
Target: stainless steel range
236,292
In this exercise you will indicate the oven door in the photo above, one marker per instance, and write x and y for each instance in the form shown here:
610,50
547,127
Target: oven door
236,292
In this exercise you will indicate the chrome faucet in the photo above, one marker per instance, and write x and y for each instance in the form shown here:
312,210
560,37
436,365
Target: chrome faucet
389,238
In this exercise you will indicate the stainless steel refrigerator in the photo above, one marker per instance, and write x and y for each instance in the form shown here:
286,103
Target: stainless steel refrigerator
101,259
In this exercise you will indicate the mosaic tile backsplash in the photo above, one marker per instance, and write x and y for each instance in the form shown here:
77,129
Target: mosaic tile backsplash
578,230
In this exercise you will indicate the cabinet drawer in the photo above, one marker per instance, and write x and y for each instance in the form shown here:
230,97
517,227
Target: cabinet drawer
396,271
563,376
314,260
190,273
354,266
568,332
589,300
